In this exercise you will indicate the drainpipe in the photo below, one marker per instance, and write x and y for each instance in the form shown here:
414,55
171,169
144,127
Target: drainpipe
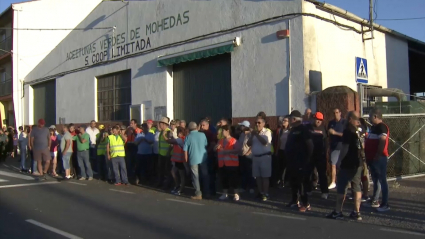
289,77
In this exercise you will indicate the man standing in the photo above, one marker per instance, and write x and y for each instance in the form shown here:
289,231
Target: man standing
66,149
182,124
260,143
245,157
144,141
307,116
40,142
3,142
101,142
335,129
195,153
115,152
351,168
319,137
83,146
23,144
92,131
212,160
131,149
164,158
299,149
376,151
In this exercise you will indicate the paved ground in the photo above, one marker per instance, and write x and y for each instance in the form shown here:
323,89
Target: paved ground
95,209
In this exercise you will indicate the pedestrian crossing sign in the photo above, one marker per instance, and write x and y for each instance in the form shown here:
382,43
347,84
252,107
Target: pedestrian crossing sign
361,70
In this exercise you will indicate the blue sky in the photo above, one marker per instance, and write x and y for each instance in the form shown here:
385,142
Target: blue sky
386,9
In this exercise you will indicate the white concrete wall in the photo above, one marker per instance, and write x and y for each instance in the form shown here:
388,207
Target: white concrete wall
260,69
31,47
332,50
397,64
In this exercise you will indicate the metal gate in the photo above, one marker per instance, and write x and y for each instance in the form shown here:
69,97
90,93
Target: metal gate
45,102
203,88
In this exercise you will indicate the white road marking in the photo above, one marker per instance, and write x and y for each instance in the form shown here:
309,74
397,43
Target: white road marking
6,166
82,184
15,175
401,231
52,229
26,184
193,203
16,168
282,216
121,191
3,180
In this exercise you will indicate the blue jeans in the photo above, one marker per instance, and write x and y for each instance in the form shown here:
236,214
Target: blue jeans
23,156
65,160
200,174
102,166
118,163
378,170
84,160
93,158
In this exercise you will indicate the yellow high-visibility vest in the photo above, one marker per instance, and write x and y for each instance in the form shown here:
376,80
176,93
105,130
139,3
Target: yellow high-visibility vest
101,147
116,146
164,147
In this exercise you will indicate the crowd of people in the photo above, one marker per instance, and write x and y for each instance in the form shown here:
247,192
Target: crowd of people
240,157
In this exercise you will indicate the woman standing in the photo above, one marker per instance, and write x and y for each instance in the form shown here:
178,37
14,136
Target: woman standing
15,143
178,171
282,136
228,163
10,142
54,151
23,144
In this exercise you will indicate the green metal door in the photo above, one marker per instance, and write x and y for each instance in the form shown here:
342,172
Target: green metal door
45,102
203,88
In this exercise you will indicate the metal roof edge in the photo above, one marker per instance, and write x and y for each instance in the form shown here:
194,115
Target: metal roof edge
352,17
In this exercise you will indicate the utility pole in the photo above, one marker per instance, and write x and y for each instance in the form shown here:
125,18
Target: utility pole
371,17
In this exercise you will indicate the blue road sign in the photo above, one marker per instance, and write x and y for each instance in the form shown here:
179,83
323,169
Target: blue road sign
361,70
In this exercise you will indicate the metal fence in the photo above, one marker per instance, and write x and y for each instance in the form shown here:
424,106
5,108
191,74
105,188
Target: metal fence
406,144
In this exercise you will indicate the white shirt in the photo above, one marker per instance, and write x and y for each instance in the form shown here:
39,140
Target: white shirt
156,142
257,147
92,133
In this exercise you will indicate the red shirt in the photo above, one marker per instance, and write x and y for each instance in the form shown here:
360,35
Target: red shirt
372,141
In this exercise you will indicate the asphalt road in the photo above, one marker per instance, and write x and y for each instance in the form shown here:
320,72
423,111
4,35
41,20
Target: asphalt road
95,209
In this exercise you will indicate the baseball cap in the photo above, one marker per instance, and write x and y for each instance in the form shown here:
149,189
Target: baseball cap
101,126
245,123
41,122
52,127
296,114
318,116
149,121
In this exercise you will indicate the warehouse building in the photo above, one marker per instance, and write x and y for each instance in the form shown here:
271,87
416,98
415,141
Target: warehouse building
191,59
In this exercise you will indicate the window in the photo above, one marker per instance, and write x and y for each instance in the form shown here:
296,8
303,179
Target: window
368,102
2,76
114,96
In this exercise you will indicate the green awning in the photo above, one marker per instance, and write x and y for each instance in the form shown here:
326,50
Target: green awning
195,54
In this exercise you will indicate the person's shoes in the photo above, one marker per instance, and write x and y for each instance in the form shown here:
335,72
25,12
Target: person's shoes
177,193
293,204
251,191
335,215
356,216
350,197
90,178
374,204
82,179
199,197
303,208
24,171
265,197
325,195
42,178
175,189
36,174
236,197
383,208
332,186
365,198
224,196
118,184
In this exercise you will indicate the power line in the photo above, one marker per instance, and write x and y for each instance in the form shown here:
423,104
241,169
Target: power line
56,29
400,19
